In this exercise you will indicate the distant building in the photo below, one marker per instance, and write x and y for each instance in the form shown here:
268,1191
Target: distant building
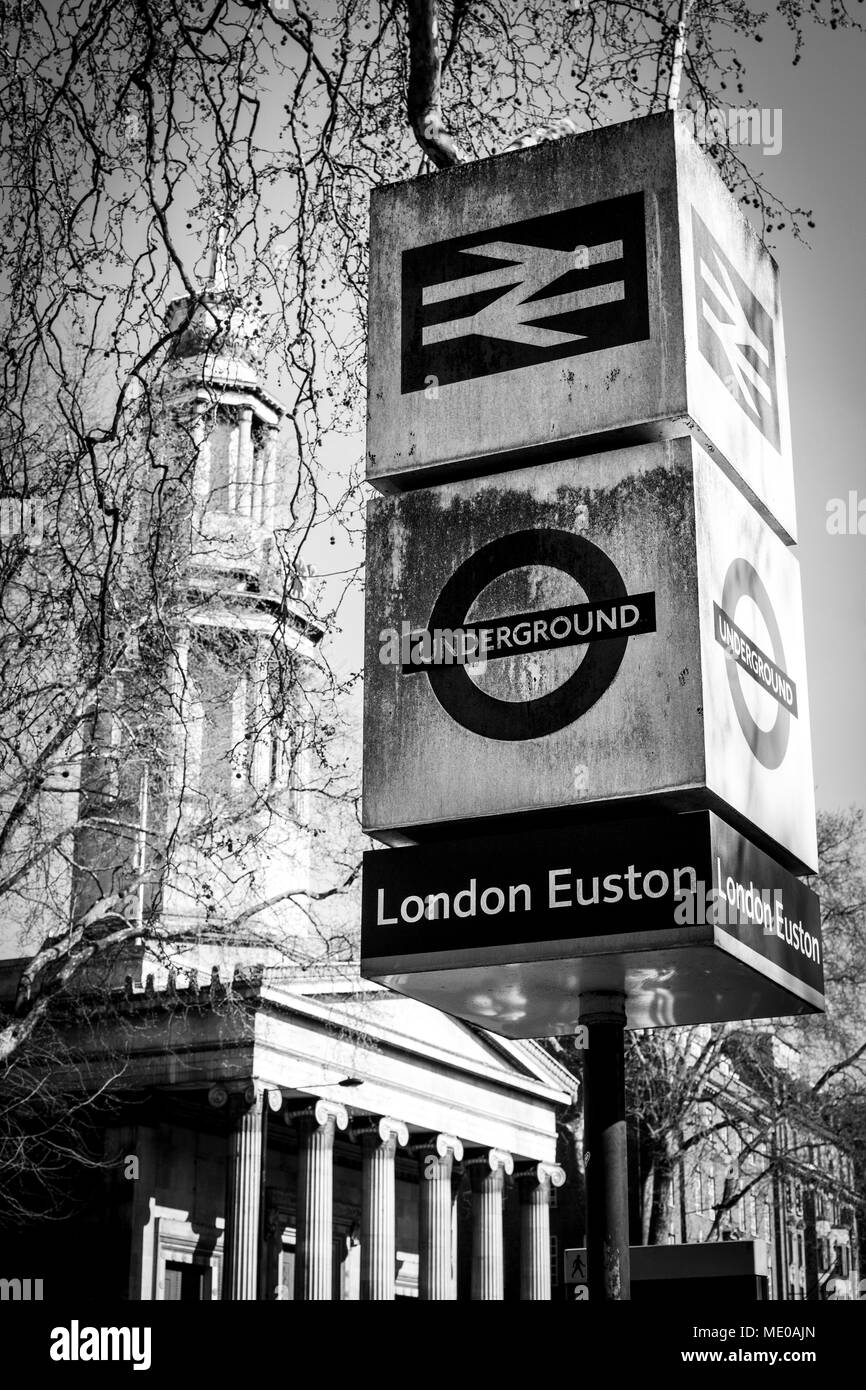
778,1175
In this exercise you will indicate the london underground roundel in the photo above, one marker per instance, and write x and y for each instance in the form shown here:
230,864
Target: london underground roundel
604,623
617,628
745,656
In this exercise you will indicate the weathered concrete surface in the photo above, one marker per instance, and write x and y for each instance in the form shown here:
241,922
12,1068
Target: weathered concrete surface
665,722
474,381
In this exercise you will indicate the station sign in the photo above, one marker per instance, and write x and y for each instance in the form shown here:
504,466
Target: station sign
584,292
622,628
680,913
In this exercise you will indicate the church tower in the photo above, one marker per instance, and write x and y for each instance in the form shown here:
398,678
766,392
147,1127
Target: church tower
193,783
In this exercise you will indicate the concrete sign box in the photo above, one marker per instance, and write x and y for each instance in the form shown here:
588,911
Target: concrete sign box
685,917
596,289
481,700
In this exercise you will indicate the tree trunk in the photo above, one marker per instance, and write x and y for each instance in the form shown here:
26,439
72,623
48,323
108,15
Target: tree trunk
684,1215
646,1201
659,1210
425,77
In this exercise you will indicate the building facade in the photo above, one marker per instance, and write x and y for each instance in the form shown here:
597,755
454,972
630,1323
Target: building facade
754,1164
314,1142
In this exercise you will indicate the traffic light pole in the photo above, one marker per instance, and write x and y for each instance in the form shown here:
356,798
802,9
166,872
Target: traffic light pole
605,1148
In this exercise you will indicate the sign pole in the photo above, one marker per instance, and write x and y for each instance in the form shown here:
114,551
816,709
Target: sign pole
605,1147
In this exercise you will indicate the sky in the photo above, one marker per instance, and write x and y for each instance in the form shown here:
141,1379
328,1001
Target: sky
821,165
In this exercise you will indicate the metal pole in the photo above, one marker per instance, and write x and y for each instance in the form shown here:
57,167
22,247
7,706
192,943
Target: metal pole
605,1149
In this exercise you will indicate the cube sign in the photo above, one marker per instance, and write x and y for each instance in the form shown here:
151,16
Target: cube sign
614,629
581,293
681,914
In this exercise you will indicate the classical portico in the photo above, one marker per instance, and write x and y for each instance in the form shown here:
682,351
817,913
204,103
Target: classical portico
443,1164
398,1153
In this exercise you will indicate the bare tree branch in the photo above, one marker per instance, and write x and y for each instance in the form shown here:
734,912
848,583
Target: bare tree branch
678,57
424,92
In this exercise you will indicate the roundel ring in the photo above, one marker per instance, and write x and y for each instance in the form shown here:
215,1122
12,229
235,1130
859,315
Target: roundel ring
768,745
483,714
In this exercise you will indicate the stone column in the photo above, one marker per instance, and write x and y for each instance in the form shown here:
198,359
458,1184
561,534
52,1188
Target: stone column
244,495
314,1243
436,1275
259,716
535,1188
259,463
201,487
243,1192
230,501
379,1209
269,470
181,732
488,1262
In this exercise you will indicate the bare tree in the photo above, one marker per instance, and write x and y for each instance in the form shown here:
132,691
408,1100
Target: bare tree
732,1073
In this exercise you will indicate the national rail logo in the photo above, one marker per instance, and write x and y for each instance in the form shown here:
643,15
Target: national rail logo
736,334
554,286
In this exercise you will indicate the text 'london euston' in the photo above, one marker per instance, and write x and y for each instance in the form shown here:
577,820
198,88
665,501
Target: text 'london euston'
729,902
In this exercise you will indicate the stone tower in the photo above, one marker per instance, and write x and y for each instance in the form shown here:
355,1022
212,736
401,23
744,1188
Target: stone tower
202,819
